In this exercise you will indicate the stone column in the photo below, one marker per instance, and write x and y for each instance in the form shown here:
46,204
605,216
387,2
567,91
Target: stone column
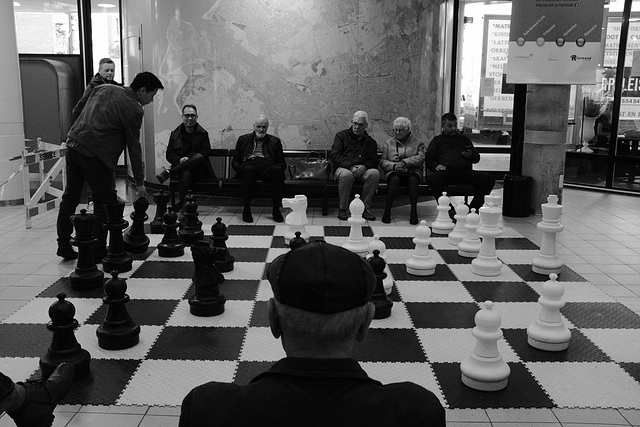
11,117
545,134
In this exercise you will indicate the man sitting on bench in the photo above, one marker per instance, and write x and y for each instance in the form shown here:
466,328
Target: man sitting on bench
450,158
188,152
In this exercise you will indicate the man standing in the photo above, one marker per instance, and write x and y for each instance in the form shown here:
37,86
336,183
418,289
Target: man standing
259,156
188,152
320,308
354,155
109,122
450,157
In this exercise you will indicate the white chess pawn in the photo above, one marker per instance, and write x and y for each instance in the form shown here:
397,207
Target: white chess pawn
548,332
297,218
547,261
356,242
443,223
377,244
484,369
469,247
487,262
458,232
421,263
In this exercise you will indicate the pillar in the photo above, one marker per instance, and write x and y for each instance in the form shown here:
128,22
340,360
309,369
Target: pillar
11,117
545,134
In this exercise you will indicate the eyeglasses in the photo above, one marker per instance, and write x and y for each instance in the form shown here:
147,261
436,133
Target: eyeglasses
189,116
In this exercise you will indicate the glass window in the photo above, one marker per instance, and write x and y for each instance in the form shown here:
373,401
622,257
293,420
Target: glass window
486,101
47,27
105,29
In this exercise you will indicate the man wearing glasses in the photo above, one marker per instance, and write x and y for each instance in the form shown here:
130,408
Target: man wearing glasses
354,155
188,152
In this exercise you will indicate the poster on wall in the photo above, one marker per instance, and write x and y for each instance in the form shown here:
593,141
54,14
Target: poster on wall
555,41
495,105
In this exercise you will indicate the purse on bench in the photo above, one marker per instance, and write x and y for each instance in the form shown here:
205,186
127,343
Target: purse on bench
314,166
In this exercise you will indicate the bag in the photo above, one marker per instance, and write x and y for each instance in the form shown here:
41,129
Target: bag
312,167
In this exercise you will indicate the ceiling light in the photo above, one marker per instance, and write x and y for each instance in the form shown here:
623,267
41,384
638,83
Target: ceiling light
107,5
16,4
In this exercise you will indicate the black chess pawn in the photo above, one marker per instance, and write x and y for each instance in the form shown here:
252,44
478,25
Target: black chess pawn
380,299
86,274
207,299
161,200
297,241
171,245
118,331
117,257
135,239
190,226
222,258
64,346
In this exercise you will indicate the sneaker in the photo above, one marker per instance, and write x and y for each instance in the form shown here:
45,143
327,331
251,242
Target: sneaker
343,214
67,253
386,217
163,176
413,219
368,215
42,396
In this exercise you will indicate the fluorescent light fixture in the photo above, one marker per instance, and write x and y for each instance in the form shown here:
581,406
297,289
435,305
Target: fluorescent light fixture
16,4
107,5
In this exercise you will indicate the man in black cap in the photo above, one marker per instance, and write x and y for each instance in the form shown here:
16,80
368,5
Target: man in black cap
321,306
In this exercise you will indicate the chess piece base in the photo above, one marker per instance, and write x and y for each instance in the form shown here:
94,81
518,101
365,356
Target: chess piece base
87,281
383,308
156,227
207,308
190,237
545,264
548,346
170,250
468,254
421,266
110,341
421,271
136,247
484,385
79,359
226,265
483,266
122,265
442,231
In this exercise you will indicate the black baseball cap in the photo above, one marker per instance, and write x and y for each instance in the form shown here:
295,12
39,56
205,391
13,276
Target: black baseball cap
321,278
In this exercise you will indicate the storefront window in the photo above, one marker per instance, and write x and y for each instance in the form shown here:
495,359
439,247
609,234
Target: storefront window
47,27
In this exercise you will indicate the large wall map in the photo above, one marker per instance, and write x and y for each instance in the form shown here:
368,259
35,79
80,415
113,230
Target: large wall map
307,64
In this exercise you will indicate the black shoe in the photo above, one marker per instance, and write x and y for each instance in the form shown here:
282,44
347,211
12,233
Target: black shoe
162,176
246,216
67,253
277,216
413,219
343,214
368,215
386,217
42,396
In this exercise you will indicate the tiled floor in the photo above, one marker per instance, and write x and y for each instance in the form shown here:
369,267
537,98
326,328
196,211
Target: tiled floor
600,241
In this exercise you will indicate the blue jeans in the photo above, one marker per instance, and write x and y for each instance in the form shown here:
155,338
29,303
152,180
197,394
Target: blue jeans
101,181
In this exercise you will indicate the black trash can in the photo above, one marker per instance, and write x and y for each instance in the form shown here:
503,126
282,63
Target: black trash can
516,196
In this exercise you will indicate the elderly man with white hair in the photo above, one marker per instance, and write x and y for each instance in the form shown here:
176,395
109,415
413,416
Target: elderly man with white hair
354,155
402,160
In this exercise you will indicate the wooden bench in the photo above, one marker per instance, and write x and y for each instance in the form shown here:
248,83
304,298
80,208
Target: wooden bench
314,189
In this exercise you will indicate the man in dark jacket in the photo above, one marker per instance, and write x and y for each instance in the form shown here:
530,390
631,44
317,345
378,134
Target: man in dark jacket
450,157
109,122
188,153
354,155
259,156
106,71
321,307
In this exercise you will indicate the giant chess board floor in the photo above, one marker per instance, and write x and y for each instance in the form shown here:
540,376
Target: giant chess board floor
595,381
